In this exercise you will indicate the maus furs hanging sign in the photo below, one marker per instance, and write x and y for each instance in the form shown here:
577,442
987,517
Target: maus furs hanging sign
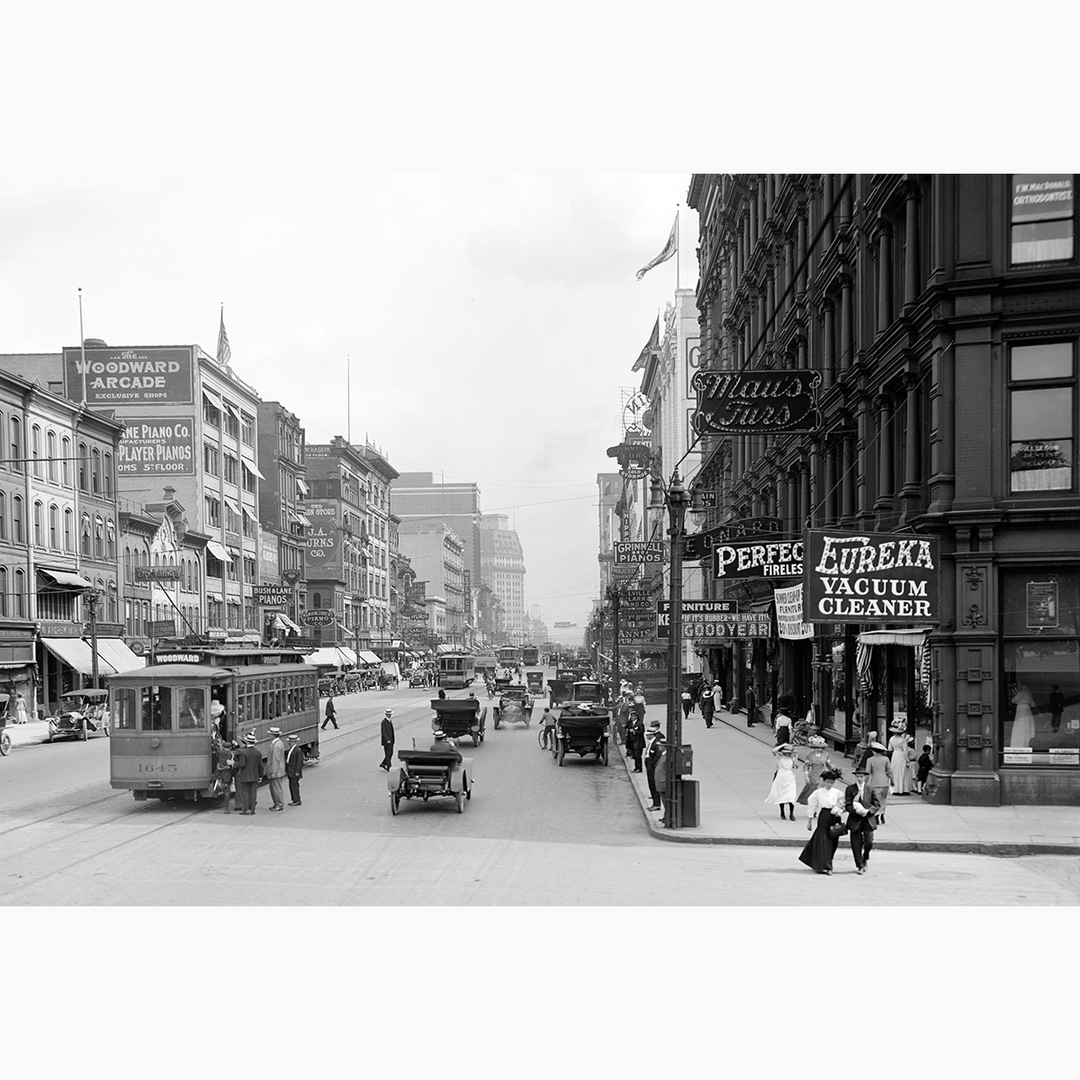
870,577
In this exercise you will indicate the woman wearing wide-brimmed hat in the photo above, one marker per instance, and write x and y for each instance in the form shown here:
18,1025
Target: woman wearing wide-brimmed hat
815,763
880,776
901,770
826,809
784,789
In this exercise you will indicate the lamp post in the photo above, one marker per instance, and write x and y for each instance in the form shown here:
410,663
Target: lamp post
613,595
676,499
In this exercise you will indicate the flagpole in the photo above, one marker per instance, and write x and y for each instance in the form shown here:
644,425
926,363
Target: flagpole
678,247
82,348
348,398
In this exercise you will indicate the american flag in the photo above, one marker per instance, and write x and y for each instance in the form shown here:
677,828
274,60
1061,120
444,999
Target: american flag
224,353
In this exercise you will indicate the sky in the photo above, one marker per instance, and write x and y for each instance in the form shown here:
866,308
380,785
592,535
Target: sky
478,327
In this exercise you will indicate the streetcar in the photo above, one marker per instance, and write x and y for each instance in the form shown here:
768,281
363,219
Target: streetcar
509,655
456,671
530,655
167,716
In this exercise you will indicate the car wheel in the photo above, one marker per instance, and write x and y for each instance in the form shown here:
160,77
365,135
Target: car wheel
395,798
5,743
561,753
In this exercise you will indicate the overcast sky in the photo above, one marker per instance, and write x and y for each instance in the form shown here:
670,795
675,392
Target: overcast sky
489,323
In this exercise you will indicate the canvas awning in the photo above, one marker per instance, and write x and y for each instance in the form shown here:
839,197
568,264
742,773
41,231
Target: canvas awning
327,656
212,398
901,635
444,649
252,468
76,653
118,654
218,551
64,577
232,506
304,489
366,657
283,622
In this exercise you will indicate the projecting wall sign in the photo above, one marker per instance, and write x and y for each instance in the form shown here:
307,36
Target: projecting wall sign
764,402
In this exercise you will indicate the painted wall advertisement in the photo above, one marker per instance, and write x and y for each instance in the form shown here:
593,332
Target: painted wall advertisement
165,444
322,555
789,614
144,376
870,577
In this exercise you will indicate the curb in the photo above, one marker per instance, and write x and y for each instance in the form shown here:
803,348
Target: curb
1003,850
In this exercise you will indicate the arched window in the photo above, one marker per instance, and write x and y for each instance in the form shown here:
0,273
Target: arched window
65,461
110,539
19,607
99,537
316,600
35,448
16,452
3,515
85,533
50,450
95,479
81,466
17,520
113,603
69,529
107,476
54,526
39,523
3,590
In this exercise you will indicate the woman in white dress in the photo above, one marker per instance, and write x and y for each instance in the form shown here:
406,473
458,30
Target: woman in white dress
901,770
20,710
784,790
826,808
1023,728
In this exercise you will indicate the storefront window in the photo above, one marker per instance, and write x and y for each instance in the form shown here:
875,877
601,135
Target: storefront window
1041,693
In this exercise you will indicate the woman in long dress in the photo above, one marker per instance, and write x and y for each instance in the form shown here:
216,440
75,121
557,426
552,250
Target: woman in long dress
901,770
784,789
826,808
816,762
1023,729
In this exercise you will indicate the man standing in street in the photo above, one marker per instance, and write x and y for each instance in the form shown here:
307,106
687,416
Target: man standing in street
251,768
331,712
751,706
294,768
861,804
275,770
652,759
707,706
386,737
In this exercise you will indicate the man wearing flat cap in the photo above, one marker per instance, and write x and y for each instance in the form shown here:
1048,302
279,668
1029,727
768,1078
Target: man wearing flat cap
386,737
294,768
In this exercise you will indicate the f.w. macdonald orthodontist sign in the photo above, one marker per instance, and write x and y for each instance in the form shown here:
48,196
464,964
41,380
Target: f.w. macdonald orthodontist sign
870,577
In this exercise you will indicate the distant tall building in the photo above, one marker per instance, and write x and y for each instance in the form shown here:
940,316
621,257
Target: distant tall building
502,566
417,499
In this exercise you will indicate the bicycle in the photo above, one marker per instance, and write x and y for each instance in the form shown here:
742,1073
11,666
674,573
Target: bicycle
545,737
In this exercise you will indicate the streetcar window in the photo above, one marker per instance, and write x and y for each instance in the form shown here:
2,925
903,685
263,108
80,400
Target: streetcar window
157,708
124,710
192,711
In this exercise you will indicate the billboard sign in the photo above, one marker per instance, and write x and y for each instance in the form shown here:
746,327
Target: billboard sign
142,376
159,573
638,551
789,614
870,577
763,402
700,545
742,624
153,446
317,616
322,555
271,595
703,612
758,559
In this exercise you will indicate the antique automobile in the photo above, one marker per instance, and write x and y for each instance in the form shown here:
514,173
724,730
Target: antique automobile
583,723
331,684
559,689
459,717
419,677
354,682
430,774
5,738
535,681
83,712
515,707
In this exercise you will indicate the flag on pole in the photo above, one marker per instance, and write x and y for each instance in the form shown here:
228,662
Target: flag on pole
224,353
652,346
669,249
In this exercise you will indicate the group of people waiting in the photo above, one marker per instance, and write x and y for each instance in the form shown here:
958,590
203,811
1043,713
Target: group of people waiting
239,767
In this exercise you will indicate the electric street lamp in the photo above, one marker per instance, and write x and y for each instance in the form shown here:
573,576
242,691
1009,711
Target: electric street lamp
677,499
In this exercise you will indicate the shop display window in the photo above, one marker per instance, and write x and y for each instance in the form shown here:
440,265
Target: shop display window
1041,666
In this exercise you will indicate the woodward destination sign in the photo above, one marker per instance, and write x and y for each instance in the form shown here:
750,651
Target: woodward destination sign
870,577
759,559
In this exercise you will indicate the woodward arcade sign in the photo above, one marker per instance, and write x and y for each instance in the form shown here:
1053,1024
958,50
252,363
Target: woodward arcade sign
870,577
764,402
139,376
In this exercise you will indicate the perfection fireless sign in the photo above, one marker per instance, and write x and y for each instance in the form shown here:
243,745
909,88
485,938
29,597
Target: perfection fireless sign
870,577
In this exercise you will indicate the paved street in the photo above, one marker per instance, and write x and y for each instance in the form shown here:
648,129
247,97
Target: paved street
532,834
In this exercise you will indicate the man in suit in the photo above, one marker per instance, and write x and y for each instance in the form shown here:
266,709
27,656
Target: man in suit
251,770
275,770
294,768
862,806
386,737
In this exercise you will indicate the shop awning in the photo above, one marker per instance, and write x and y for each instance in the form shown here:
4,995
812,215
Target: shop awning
252,468
76,653
218,551
64,577
366,657
326,657
232,506
444,649
212,398
304,489
303,519
118,654
283,622
901,635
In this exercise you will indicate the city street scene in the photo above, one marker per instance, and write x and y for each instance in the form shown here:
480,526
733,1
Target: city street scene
782,586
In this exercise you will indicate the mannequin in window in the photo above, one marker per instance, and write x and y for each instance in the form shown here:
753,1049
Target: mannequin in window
1023,728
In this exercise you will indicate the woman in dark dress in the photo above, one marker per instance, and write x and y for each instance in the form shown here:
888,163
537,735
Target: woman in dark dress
826,806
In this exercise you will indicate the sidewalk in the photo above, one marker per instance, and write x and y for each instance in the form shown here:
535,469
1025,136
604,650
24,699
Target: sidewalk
734,766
